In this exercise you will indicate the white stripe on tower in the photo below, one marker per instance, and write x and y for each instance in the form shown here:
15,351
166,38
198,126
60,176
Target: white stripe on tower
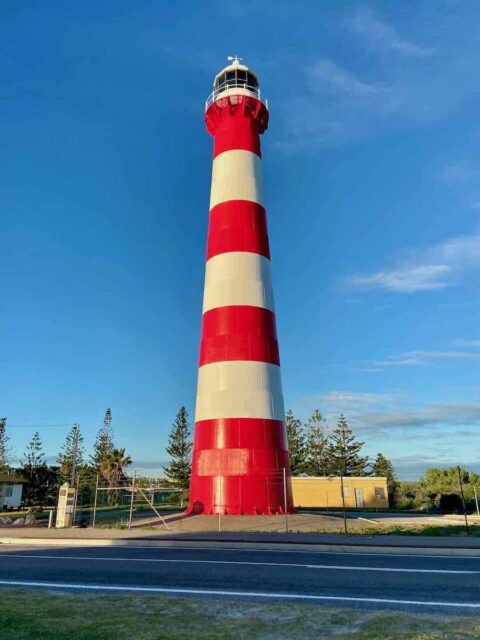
238,278
236,175
239,389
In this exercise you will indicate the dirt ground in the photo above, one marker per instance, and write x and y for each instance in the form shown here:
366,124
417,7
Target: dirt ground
300,523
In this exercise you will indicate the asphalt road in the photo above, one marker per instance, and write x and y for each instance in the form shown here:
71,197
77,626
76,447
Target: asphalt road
414,583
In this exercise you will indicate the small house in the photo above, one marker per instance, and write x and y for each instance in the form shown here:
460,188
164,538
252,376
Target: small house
326,492
11,488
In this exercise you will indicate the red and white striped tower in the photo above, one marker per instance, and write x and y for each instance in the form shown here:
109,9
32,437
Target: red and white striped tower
240,455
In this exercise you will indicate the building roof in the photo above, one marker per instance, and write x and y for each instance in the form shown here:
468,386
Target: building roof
345,478
7,478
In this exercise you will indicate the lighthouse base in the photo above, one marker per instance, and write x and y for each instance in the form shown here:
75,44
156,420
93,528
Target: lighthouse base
241,495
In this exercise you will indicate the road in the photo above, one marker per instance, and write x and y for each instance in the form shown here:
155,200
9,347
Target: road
450,585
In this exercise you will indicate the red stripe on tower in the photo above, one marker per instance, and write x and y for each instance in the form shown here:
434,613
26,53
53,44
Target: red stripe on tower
240,454
237,225
239,333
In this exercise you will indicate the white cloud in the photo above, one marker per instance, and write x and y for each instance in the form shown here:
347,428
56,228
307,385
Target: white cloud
377,34
326,77
370,411
415,358
404,84
406,279
329,104
430,415
414,466
464,177
435,267
474,344
352,398
384,422
460,173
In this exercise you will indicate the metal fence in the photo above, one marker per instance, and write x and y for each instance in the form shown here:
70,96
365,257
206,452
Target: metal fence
129,502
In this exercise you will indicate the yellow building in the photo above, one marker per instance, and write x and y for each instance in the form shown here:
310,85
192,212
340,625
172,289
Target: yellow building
326,492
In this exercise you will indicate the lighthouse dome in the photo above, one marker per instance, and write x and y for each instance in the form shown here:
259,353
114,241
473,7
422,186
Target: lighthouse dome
234,79
236,74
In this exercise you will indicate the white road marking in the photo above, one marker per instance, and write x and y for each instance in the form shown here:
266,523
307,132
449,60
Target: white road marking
243,563
249,594
169,546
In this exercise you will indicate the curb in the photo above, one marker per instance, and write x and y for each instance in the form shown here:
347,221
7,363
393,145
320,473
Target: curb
320,547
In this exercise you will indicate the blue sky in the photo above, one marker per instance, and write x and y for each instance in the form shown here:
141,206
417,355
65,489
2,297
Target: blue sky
373,194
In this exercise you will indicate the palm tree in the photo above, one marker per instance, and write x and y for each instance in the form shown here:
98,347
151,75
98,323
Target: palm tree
112,469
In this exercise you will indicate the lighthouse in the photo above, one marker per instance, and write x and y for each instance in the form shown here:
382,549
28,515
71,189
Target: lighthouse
240,454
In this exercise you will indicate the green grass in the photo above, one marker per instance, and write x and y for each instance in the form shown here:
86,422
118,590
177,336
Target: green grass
401,530
42,615
419,530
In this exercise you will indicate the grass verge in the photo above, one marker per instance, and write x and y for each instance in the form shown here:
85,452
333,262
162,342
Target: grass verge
42,615
402,530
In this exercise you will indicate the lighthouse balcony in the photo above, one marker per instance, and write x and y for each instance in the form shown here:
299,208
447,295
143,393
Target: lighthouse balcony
233,90
234,81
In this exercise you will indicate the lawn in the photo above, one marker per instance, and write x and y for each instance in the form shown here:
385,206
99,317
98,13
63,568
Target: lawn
422,530
41,615
415,530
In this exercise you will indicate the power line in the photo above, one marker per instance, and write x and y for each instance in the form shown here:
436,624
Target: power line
35,426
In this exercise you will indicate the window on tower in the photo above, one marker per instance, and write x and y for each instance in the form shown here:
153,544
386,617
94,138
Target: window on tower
241,77
236,78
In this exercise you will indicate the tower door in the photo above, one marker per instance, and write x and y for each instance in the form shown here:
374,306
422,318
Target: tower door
359,498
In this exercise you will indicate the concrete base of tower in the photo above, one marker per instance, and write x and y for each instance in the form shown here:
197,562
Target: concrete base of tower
240,495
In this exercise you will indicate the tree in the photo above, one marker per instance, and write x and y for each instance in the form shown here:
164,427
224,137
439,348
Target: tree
4,448
104,442
382,467
297,451
67,454
113,466
438,486
344,451
34,456
317,462
42,480
179,449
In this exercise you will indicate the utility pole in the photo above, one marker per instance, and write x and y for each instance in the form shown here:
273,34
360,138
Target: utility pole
132,498
343,502
285,503
476,499
463,500
76,433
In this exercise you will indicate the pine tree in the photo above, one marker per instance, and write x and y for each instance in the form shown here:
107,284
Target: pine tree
179,449
297,451
344,451
384,468
67,453
4,448
34,456
318,460
42,481
104,442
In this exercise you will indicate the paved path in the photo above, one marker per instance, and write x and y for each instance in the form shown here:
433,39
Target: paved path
268,537
420,583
